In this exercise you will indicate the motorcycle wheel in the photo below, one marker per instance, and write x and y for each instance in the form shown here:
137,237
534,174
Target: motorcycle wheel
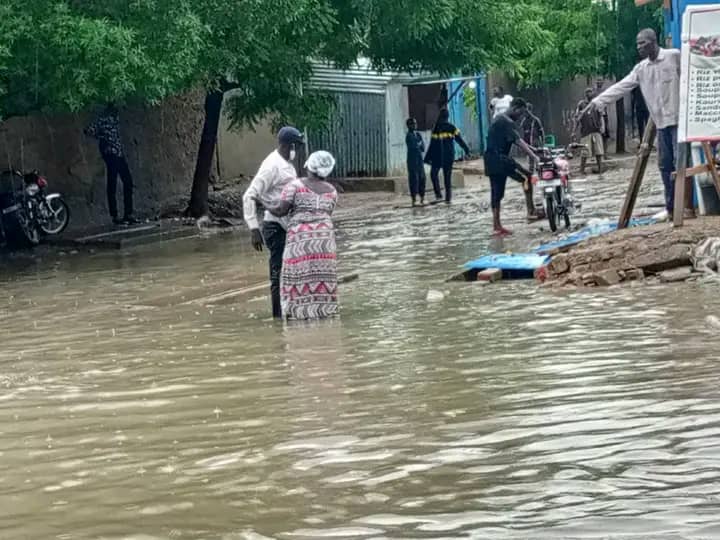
562,209
19,232
550,211
58,217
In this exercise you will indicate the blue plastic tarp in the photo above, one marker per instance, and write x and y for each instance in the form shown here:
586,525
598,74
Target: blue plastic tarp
523,262
590,232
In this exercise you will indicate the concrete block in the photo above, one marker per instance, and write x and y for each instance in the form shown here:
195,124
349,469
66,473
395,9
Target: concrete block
607,278
559,264
490,275
634,274
676,275
659,260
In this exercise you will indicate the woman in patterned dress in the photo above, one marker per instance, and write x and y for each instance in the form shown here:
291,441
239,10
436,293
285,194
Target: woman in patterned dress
308,286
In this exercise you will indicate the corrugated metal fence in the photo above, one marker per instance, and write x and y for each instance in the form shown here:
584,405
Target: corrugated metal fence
356,135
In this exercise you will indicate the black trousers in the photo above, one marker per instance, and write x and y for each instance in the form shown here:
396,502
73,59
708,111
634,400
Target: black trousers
117,166
416,178
446,168
274,236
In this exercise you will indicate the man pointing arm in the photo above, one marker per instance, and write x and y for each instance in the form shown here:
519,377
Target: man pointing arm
658,76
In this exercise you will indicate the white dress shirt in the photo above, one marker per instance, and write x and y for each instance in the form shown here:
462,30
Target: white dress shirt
659,82
272,177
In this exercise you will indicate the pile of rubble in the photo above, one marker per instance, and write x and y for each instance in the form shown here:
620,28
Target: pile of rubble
657,251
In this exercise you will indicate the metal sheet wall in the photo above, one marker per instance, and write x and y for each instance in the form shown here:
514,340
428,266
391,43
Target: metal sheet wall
356,135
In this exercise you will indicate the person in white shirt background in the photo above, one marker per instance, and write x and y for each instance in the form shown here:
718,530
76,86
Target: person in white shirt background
274,174
658,76
500,103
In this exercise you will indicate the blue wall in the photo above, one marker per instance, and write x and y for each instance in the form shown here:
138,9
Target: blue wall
673,18
472,124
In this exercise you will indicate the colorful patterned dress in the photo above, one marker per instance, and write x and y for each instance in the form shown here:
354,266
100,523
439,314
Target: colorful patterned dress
309,273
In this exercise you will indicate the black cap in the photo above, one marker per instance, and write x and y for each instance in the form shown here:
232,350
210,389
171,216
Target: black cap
290,135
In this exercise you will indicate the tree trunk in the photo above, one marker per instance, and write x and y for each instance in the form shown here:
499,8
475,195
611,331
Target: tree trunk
620,136
206,151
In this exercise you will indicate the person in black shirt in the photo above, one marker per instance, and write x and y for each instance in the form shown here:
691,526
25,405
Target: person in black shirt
441,154
498,163
415,165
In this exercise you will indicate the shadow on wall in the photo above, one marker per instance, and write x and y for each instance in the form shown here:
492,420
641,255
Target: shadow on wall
160,142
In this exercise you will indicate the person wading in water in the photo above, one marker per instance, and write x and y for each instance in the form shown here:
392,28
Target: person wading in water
274,174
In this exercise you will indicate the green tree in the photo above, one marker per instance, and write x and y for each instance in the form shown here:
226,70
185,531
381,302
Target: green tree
621,21
67,55
262,50
587,37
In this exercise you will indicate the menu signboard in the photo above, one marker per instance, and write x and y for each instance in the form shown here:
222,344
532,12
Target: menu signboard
700,74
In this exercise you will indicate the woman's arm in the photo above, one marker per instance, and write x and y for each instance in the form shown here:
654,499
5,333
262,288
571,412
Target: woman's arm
280,209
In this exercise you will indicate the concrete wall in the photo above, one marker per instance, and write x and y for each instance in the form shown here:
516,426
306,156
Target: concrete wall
161,145
397,112
240,152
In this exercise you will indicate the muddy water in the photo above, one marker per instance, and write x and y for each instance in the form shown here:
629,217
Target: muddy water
128,411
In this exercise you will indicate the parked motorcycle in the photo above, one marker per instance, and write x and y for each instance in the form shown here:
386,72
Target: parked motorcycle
17,228
27,212
50,211
552,182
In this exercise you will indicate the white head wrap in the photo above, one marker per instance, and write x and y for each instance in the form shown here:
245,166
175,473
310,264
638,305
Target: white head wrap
320,163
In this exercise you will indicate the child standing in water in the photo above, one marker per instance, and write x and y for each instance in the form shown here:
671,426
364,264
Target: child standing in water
415,164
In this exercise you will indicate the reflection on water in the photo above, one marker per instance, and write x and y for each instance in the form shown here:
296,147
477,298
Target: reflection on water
129,410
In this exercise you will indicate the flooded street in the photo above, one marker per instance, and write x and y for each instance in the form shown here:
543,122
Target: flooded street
129,411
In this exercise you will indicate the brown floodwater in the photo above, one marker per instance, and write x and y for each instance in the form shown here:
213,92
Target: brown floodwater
130,409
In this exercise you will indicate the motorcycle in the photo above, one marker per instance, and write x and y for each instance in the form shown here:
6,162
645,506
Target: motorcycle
552,182
17,228
50,211
27,212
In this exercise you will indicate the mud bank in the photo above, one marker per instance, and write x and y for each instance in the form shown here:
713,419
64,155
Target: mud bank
657,251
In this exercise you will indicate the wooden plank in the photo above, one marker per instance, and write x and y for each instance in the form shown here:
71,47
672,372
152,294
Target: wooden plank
680,186
710,164
638,174
697,169
228,296
116,232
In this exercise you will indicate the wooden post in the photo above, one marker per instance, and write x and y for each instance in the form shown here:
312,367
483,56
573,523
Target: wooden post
680,185
638,174
711,166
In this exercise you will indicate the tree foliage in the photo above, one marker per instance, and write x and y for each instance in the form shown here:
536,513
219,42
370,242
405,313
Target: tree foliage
586,37
70,54
66,55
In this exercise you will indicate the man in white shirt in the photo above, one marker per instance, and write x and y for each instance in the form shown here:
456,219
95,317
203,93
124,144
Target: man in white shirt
267,185
500,103
658,76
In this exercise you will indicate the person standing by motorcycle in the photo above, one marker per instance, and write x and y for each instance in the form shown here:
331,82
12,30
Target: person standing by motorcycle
274,174
502,135
106,129
589,126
